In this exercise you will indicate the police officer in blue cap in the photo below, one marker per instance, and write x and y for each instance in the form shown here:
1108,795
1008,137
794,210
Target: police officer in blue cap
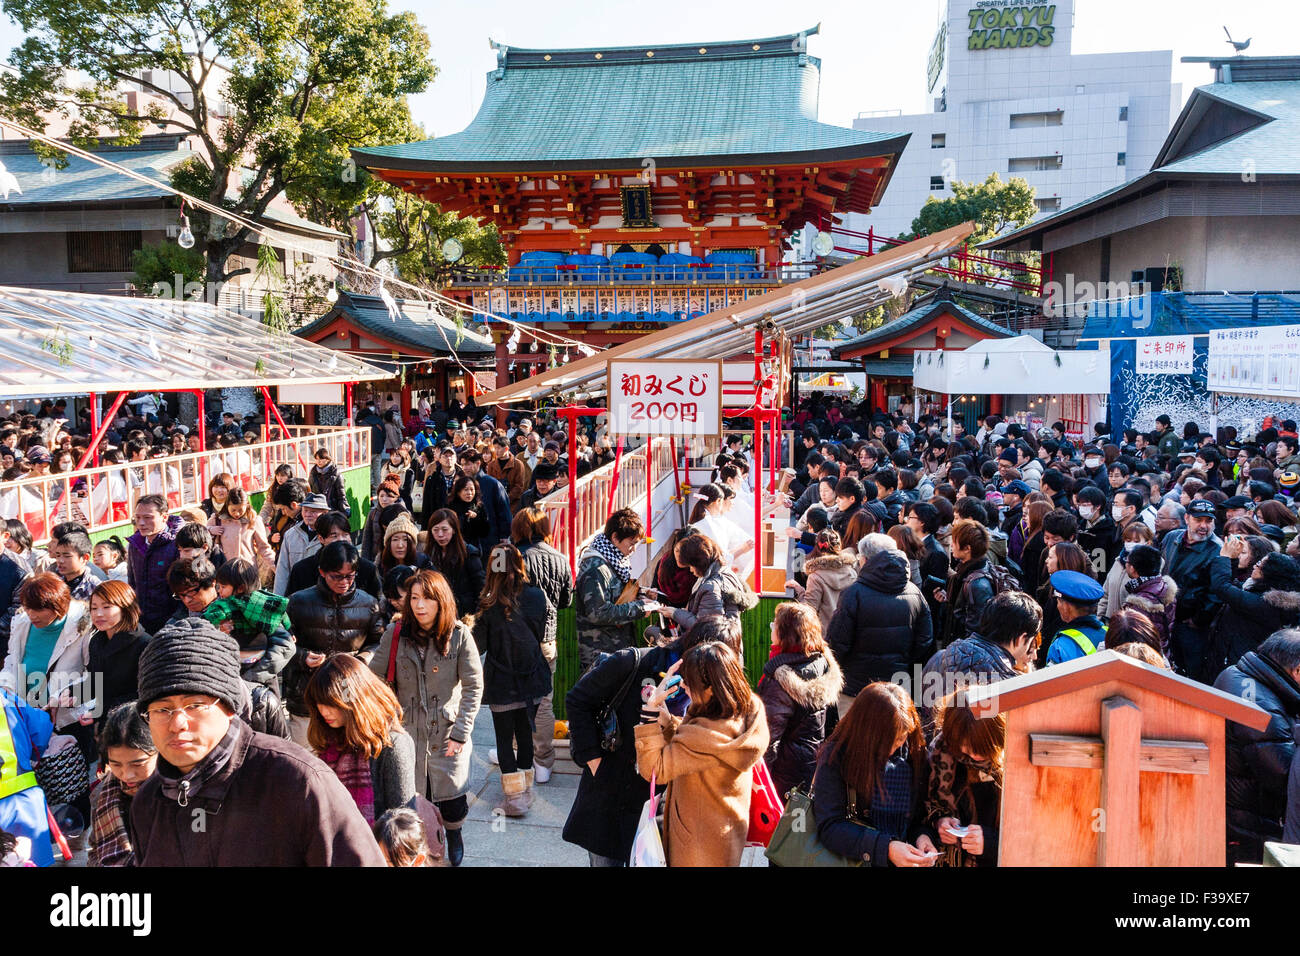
1082,632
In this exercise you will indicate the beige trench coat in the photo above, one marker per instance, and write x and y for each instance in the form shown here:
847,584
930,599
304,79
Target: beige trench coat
440,699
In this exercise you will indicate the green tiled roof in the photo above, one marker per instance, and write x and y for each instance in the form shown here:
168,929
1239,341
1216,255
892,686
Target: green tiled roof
83,181
1270,148
415,326
917,317
1266,148
614,107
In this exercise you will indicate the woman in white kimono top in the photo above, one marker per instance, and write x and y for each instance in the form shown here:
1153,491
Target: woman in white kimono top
709,517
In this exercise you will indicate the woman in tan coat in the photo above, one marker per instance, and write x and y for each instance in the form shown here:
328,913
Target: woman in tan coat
438,679
706,758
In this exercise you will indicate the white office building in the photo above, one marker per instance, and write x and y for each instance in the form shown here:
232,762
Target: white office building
1009,97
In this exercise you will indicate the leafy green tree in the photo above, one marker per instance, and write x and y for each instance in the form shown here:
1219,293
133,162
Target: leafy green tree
307,79
992,205
415,231
162,262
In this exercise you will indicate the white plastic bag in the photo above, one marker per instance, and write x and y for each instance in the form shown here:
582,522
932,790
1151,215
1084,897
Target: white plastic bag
648,846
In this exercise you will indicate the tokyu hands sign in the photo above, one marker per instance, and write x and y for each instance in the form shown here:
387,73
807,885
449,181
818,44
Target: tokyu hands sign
1004,24
665,397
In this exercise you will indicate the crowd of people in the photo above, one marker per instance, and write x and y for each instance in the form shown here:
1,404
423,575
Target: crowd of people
224,655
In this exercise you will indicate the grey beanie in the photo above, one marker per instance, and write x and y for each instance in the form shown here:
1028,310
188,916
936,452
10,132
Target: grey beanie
190,656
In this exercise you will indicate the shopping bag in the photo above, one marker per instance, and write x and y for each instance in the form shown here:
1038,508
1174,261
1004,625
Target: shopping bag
765,807
648,845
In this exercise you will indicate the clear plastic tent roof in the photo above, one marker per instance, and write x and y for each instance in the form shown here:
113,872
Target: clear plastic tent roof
69,343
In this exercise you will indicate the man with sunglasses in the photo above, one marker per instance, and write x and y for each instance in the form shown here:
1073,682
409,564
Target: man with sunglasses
207,803
334,617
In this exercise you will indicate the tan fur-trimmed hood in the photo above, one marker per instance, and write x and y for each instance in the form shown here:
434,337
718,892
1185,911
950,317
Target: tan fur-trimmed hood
816,693
1284,600
832,562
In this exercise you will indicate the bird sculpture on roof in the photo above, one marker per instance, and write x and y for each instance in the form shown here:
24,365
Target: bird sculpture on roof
1238,45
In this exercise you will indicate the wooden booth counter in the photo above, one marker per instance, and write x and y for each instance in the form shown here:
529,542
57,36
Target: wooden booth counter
1112,762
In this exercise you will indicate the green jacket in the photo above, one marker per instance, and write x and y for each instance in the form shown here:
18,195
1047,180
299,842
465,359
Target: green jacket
1170,443
600,621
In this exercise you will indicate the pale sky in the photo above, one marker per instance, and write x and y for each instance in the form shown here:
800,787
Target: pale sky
873,52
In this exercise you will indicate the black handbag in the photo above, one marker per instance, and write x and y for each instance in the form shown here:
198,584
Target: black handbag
63,776
611,733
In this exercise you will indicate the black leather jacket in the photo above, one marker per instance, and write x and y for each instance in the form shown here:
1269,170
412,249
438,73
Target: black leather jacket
328,623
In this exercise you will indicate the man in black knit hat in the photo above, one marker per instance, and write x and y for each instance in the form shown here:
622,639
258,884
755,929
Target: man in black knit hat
224,795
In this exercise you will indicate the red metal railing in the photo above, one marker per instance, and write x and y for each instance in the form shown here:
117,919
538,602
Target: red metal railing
964,265
105,496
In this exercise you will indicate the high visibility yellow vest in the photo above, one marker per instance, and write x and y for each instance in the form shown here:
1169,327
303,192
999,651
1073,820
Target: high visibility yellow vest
11,781
1081,639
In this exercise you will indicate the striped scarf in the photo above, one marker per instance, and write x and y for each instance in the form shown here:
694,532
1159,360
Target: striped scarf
353,771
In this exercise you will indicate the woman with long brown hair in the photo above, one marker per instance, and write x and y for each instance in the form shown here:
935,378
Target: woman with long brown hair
965,789
870,783
1062,556
1031,554
706,757
860,524
913,548
510,629
432,663
356,728
800,681
456,560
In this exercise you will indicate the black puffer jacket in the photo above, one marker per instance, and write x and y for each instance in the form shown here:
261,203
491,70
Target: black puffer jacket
328,482
328,623
882,625
549,570
1248,616
466,580
514,669
1258,761
796,690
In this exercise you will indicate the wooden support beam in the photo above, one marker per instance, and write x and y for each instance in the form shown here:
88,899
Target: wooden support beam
1121,731
1089,753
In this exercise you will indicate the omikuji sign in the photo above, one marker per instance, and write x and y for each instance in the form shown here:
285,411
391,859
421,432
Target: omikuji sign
1007,24
665,397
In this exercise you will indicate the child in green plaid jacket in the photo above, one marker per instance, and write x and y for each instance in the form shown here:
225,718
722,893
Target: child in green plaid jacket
249,610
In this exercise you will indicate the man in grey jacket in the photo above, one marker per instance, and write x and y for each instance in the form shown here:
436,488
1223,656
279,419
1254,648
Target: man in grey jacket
300,541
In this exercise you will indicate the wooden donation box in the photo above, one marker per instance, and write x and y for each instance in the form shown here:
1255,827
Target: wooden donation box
1112,762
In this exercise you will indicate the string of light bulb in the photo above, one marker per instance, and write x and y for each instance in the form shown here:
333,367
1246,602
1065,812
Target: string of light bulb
186,240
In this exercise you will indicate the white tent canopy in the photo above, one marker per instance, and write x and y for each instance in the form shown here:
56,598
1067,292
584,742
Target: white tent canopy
1016,366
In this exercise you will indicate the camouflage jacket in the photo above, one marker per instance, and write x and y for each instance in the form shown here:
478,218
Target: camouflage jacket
601,622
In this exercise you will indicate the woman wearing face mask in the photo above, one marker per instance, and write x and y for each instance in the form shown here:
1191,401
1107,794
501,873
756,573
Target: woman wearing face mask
1136,533
964,800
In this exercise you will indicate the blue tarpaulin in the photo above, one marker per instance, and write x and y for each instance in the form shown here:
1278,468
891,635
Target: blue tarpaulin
1189,313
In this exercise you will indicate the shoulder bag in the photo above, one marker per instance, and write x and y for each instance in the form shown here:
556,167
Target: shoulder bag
611,732
391,675
795,843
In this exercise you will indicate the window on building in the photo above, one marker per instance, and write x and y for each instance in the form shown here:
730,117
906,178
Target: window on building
936,182
1123,114
1048,203
1030,164
1029,120
938,140
102,251
1121,159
